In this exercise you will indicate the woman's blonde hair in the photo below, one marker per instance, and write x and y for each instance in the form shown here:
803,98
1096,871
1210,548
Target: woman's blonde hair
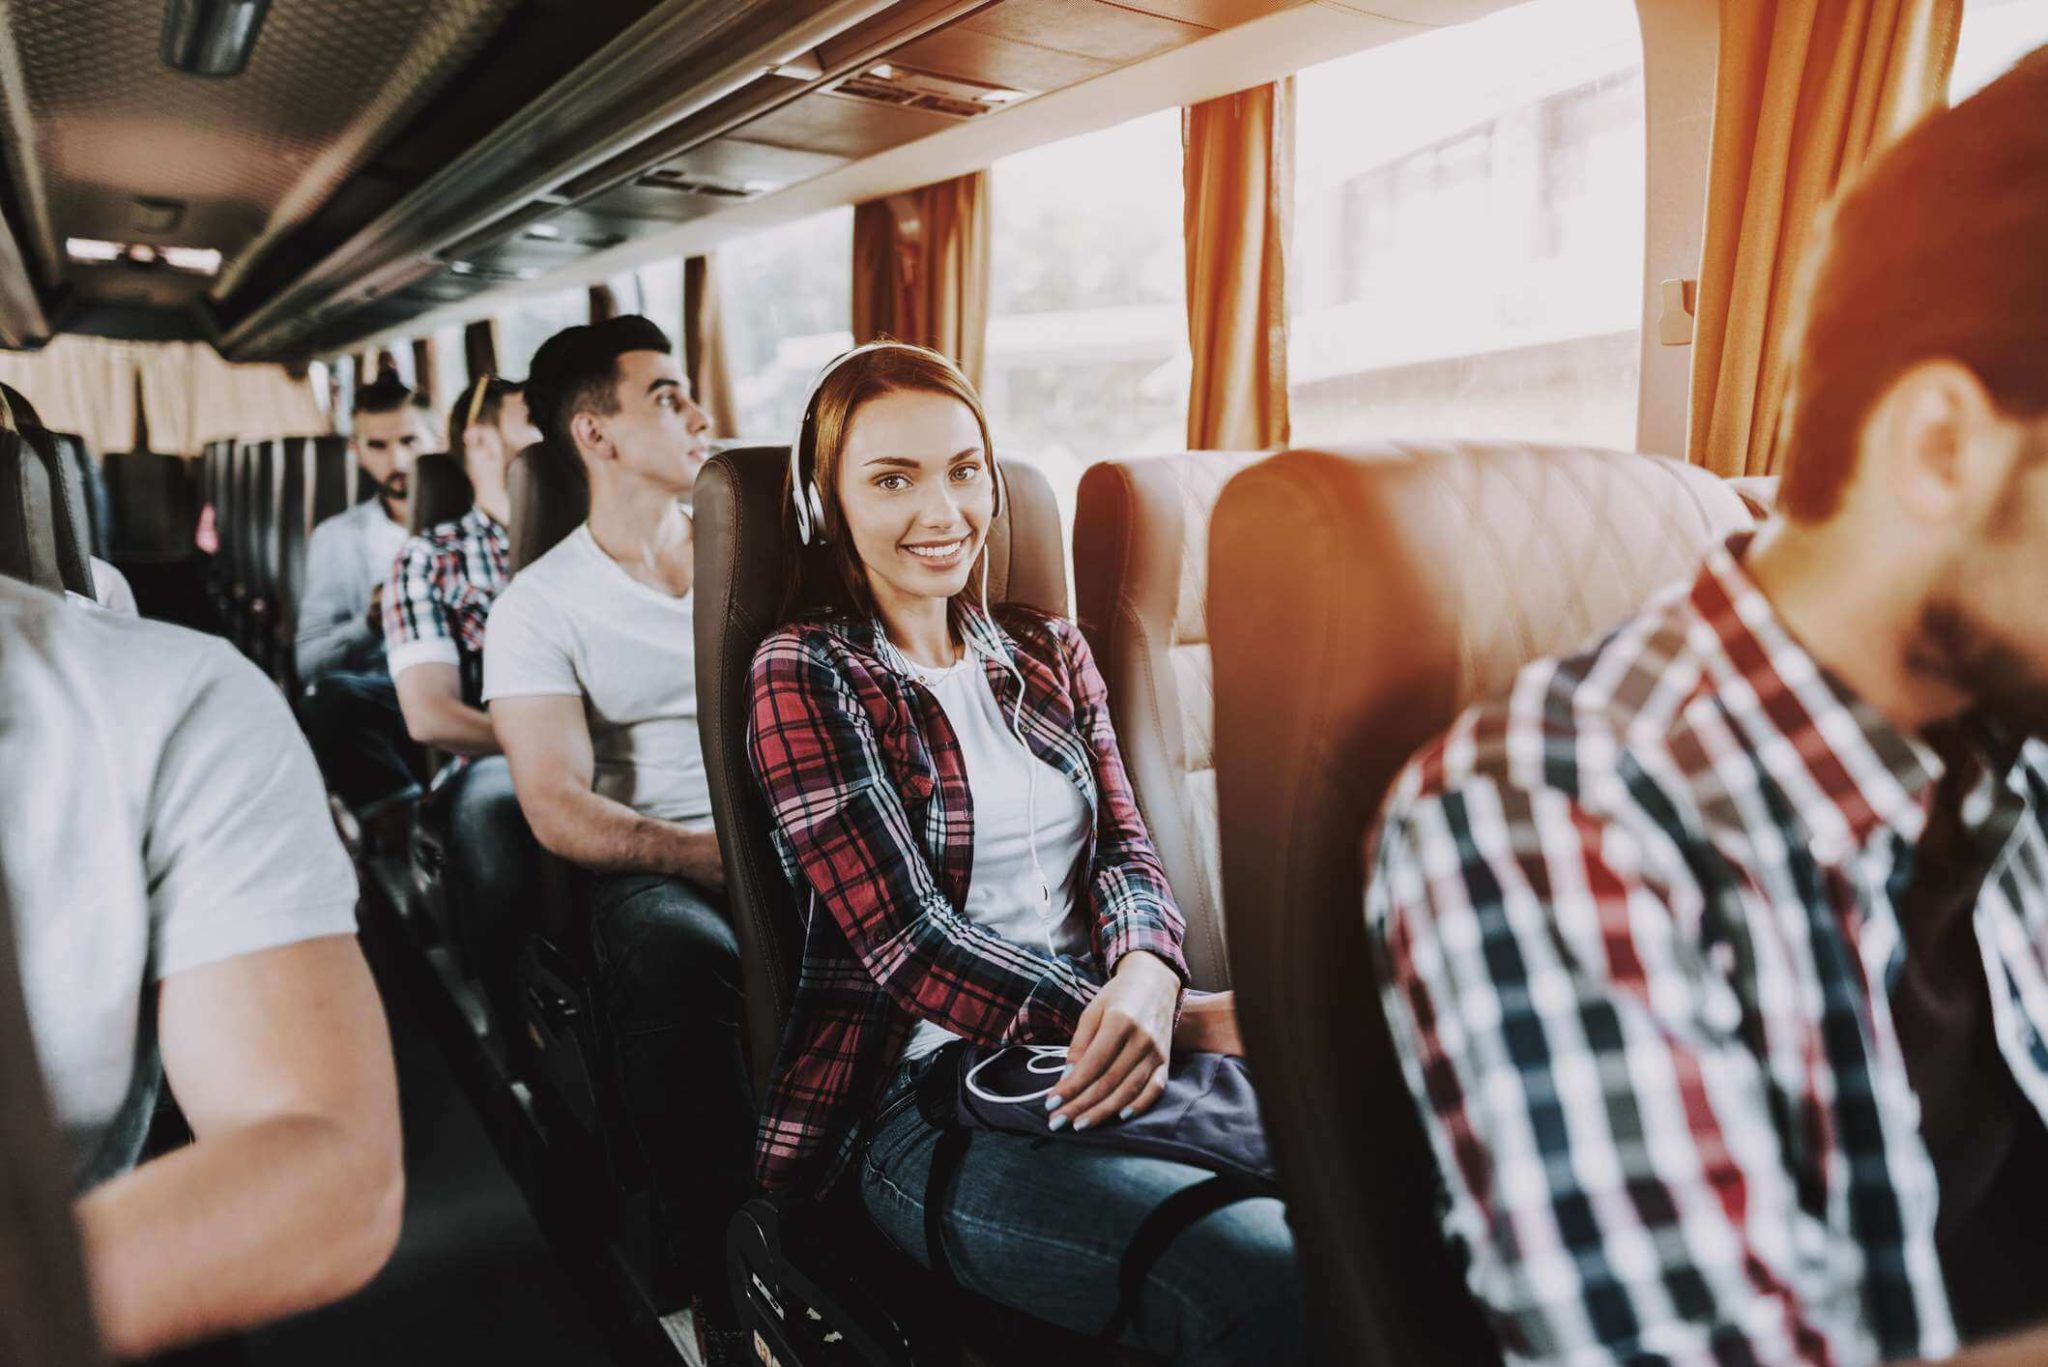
829,578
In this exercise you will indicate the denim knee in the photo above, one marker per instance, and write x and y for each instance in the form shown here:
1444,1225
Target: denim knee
1236,1278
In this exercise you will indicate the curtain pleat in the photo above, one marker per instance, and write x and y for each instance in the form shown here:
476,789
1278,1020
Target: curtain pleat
1807,92
189,395
426,374
704,356
480,349
920,269
1238,177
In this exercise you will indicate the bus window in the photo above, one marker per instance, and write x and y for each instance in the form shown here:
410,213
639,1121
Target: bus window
656,290
786,305
451,365
1468,235
1996,33
1087,330
531,321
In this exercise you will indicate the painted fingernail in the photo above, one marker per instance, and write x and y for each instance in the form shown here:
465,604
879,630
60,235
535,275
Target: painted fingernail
1080,1125
1058,1122
1066,1069
1126,1113
1052,1103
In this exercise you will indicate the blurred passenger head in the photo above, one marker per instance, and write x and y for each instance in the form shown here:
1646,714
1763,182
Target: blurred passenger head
488,425
614,393
1917,422
899,448
391,428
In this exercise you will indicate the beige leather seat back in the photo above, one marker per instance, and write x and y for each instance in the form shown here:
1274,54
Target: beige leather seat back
1141,571
1358,600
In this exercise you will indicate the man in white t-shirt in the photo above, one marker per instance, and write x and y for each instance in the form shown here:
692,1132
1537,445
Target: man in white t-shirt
183,912
590,677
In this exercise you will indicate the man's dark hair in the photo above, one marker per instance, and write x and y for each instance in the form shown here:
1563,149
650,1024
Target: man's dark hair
386,394
1937,251
577,371
487,406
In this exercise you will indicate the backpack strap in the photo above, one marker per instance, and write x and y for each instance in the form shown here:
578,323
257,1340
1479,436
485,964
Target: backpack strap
1168,1221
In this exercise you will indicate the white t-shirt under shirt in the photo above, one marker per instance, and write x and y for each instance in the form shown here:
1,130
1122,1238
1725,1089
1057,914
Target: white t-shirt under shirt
574,623
1003,893
159,811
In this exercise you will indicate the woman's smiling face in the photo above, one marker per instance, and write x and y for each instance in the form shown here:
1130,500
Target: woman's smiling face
916,494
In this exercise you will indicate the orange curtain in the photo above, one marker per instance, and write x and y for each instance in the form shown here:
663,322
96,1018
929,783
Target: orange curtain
1808,91
1237,160
426,375
704,358
480,349
920,269
604,305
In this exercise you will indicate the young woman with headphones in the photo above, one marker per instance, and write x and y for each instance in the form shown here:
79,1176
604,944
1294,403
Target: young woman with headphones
949,801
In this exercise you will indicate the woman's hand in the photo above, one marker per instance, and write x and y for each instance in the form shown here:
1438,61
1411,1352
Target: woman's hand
1208,1025
1116,1064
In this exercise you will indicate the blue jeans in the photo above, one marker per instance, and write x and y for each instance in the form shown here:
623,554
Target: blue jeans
1042,1227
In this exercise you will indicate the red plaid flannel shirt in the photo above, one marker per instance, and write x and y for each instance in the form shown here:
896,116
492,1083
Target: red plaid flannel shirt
868,793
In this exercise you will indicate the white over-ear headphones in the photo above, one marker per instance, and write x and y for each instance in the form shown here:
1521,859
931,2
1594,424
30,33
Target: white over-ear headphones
804,497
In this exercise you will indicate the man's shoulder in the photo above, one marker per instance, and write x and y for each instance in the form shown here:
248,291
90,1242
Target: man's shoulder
93,654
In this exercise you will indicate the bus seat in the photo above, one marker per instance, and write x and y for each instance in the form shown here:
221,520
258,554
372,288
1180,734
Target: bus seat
263,519
790,1256
334,476
29,542
1759,492
1141,563
92,485
294,526
1359,600
70,506
550,496
154,506
741,552
441,491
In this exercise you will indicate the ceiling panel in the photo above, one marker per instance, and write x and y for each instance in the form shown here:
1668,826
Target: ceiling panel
842,127
961,51
104,121
1087,28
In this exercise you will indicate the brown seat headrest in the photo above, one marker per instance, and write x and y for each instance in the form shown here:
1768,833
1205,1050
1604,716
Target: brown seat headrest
441,491
550,497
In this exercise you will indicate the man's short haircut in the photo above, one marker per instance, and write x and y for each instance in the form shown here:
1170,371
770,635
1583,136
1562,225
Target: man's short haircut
386,394
577,371
1938,250
488,406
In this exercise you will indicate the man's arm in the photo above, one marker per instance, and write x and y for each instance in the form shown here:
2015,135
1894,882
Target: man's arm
292,1194
332,630
430,696
547,742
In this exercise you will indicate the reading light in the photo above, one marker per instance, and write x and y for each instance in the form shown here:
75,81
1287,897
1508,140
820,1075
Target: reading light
546,232
190,260
211,37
